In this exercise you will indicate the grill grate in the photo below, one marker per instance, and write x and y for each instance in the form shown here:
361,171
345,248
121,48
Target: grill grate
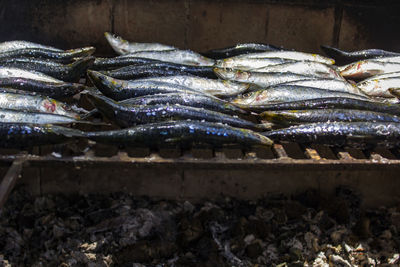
286,152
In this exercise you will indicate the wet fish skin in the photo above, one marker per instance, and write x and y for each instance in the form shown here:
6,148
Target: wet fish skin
290,117
260,79
367,68
292,55
191,100
383,76
328,84
69,73
379,87
101,63
160,69
183,133
243,63
121,90
127,116
187,57
53,90
63,56
239,49
9,72
122,46
18,135
353,134
29,103
308,68
19,44
330,103
14,116
343,57
208,86
287,93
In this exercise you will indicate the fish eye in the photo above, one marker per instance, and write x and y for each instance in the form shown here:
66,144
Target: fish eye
249,94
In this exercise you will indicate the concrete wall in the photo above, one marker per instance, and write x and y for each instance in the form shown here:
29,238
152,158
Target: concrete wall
205,24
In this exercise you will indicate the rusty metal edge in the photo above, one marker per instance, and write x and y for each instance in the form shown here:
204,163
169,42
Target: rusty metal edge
214,163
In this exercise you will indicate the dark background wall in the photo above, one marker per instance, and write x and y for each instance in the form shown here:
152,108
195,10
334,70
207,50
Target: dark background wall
204,24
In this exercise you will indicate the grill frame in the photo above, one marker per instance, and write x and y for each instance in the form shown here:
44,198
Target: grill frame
186,177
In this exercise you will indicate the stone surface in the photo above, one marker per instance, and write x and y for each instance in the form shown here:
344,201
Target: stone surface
151,21
300,27
215,24
370,27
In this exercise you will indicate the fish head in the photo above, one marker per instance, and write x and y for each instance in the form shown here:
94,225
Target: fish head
103,82
121,46
225,63
242,75
239,87
250,98
81,52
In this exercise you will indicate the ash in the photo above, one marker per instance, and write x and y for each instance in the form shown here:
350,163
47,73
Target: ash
122,230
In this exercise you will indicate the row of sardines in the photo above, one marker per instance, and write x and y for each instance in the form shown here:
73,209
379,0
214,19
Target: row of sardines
156,95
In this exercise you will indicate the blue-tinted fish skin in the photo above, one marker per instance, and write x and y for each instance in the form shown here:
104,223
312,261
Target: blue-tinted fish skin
183,133
191,100
16,135
160,69
119,62
239,49
136,115
352,134
121,90
52,90
64,56
69,73
289,117
343,57
331,103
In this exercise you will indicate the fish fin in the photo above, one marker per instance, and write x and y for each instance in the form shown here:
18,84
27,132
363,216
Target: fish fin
89,114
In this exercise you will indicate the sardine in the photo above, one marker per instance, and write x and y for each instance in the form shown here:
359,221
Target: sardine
308,68
250,63
330,103
191,100
183,133
31,103
122,46
126,116
50,89
101,63
160,69
208,86
343,57
16,45
17,135
64,56
120,90
8,72
69,73
260,79
355,134
367,68
328,84
239,49
287,93
383,76
395,59
13,116
187,57
290,117
379,87
293,55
